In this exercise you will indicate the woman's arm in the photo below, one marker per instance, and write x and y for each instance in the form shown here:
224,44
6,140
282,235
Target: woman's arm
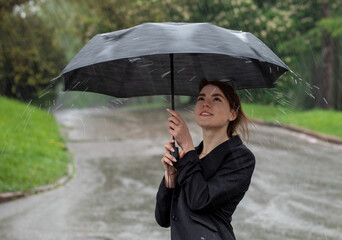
163,205
230,181
165,191
170,172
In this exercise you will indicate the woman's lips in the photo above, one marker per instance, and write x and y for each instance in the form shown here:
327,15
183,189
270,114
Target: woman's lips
205,113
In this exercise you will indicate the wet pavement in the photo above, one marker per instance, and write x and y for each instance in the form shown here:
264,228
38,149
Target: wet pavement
296,190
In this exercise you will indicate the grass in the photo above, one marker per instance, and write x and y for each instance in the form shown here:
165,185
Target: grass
322,121
32,152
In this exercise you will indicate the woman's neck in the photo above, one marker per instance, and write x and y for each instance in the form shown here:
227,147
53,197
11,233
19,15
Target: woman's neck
213,138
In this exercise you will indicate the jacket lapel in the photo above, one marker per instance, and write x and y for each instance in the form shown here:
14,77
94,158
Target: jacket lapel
213,161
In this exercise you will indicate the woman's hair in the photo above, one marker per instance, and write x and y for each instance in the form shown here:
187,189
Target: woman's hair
240,124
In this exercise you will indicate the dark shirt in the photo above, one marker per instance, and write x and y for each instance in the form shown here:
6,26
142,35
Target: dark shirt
206,193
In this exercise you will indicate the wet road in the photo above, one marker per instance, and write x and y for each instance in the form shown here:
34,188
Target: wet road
296,190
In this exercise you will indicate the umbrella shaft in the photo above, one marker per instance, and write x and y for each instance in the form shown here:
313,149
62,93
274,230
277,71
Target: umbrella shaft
172,83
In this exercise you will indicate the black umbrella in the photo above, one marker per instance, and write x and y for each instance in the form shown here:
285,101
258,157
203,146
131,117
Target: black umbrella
171,58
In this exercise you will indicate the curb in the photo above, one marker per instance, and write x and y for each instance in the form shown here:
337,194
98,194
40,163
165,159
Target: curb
8,196
320,136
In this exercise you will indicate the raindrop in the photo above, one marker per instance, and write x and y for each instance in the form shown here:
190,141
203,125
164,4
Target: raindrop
309,94
192,78
147,64
164,99
84,127
132,60
43,94
119,100
165,74
58,107
308,85
78,83
326,102
49,86
249,97
248,92
189,110
26,108
181,70
315,87
105,108
282,110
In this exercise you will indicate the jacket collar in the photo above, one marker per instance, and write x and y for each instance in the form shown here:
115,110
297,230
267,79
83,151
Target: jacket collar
213,161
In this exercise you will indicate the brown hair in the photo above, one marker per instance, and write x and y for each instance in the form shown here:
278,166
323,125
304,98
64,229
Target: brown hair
240,124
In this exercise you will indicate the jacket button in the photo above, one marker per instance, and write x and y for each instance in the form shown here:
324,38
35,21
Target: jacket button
174,218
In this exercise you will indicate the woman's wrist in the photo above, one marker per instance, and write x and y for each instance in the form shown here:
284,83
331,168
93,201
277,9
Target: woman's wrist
170,179
188,148
168,174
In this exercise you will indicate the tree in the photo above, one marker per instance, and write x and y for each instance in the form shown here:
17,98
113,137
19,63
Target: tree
29,56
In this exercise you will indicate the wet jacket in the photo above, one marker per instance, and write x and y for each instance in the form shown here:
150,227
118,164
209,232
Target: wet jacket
206,193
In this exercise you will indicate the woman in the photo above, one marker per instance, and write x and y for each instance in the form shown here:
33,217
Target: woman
200,191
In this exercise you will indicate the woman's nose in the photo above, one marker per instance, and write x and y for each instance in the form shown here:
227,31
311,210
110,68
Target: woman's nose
206,104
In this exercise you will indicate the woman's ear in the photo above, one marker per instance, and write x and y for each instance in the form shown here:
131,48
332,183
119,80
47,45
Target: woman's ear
233,115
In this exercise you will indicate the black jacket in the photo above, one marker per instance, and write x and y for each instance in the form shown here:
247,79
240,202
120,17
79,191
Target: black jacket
207,192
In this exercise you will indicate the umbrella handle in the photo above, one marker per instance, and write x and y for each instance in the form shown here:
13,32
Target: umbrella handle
175,154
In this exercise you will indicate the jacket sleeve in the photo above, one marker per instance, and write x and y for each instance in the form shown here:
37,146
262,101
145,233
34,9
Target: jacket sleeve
229,183
163,205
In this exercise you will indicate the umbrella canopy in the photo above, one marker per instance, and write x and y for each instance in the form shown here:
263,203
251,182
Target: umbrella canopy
153,58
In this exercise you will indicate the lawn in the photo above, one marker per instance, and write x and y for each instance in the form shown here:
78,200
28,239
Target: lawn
323,121
32,152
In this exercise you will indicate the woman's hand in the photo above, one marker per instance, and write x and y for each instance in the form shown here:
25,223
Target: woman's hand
167,161
179,130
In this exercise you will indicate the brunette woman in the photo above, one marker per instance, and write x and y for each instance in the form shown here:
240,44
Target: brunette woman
200,191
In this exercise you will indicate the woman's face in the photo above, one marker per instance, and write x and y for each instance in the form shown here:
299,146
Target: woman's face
212,109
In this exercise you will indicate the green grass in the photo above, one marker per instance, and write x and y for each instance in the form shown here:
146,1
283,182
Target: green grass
32,152
322,121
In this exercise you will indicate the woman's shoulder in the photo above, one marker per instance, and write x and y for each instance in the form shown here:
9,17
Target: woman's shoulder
240,151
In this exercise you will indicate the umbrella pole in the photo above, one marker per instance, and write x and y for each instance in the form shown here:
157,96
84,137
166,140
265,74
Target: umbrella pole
172,83
175,154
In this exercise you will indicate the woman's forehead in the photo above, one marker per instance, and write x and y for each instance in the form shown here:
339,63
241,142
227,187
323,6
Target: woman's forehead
211,90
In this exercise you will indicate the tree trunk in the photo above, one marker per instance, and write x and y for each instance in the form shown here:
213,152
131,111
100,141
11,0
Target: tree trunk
337,84
317,90
327,61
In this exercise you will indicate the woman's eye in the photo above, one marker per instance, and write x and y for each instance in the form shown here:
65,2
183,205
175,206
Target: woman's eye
217,99
200,99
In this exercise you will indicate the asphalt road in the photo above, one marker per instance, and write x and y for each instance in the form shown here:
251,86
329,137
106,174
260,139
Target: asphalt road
296,190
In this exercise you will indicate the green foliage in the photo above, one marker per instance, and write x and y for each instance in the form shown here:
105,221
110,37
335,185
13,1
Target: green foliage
32,153
332,25
30,57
